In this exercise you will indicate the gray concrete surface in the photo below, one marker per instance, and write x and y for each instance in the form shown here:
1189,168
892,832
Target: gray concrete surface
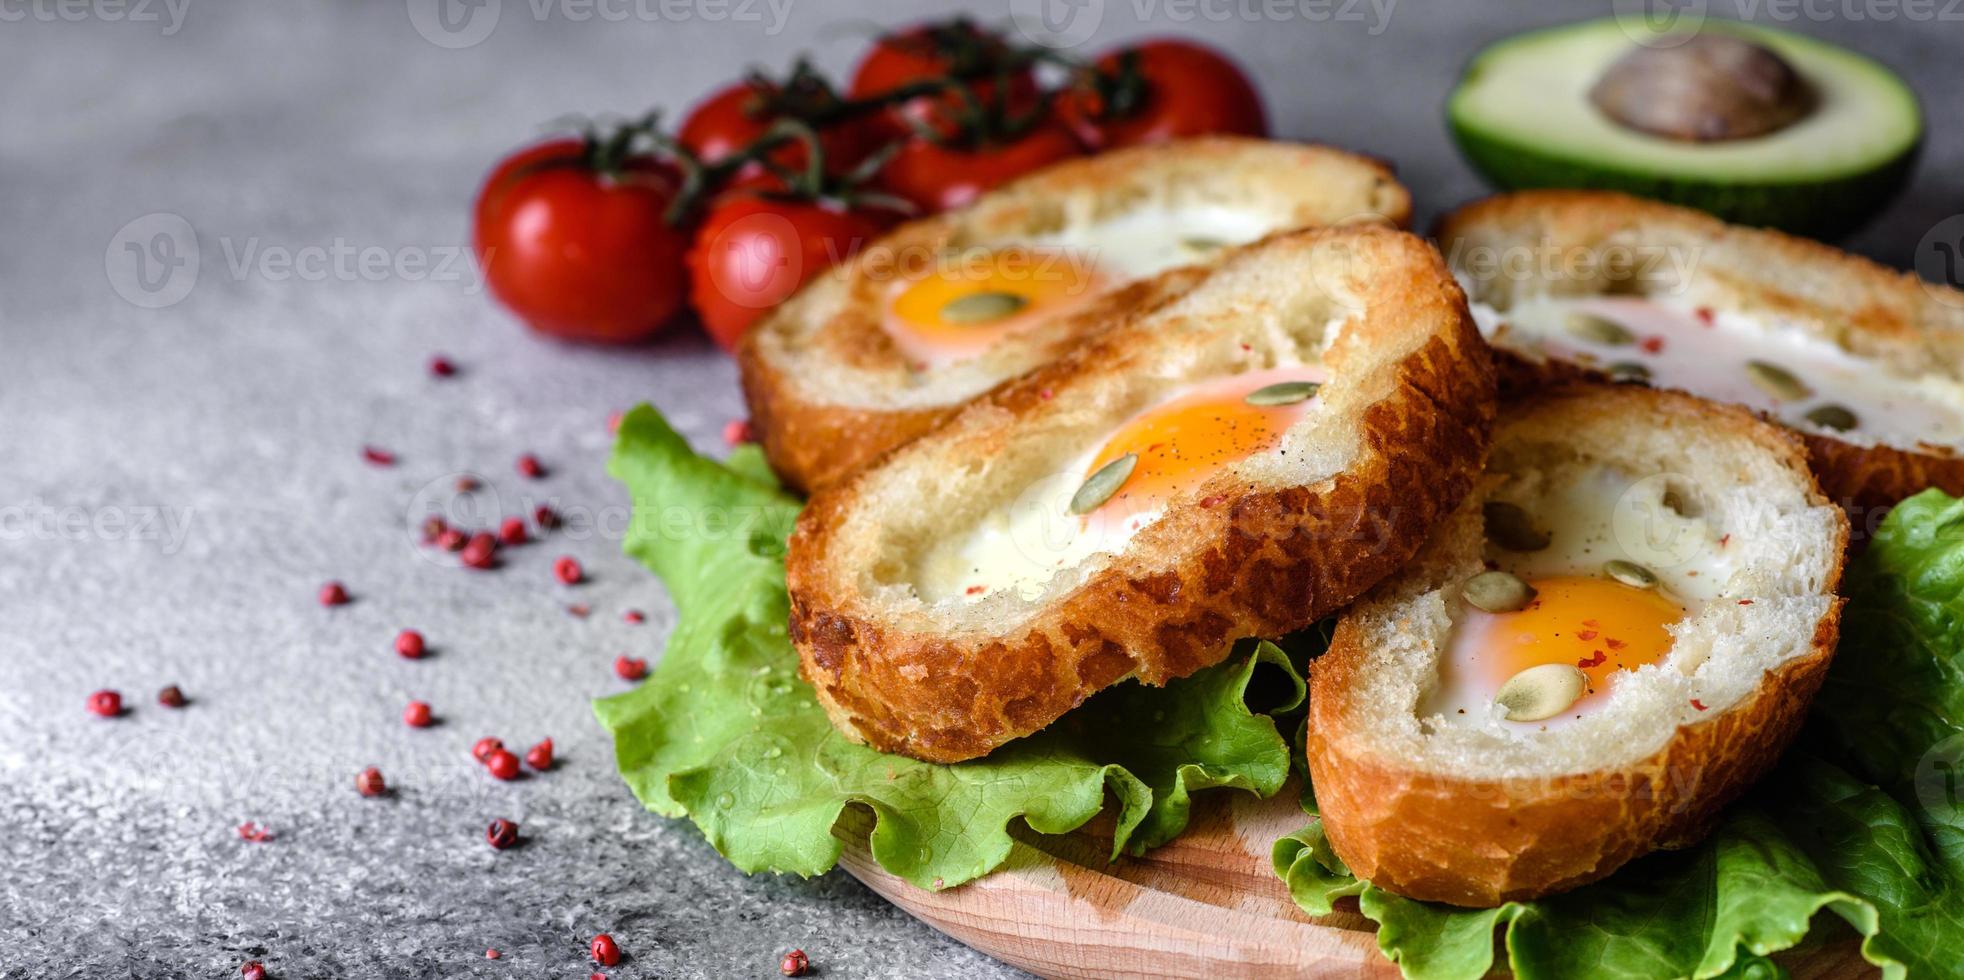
175,483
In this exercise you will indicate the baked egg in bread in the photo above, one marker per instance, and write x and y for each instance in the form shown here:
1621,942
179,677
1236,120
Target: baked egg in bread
1866,363
1238,460
1606,643
895,339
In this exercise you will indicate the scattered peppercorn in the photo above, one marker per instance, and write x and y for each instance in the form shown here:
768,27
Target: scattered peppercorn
567,569
614,421
485,746
377,456
106,704
529,467
545,517
409,644
252,970
502,764
369,782
441,366
452,540
605,951
171,697
501,834
481,552
736,432
795,964
334,594
467,484
630,668
492,954
579,610
417,714
539,756
633,617
257,834
512,531
434,529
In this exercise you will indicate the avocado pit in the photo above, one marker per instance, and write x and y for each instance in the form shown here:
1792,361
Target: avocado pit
1710,88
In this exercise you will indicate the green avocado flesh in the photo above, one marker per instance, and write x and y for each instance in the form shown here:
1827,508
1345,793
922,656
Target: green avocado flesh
1523,117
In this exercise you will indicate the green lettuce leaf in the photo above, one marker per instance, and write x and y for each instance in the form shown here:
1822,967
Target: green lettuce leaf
1866,822
726,733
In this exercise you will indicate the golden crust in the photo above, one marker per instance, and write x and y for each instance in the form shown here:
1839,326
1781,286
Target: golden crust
1232,560
1870,310
1481,842
829,392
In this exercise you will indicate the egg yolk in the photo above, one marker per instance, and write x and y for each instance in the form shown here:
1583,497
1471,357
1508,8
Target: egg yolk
1597,624
969,302
1184,441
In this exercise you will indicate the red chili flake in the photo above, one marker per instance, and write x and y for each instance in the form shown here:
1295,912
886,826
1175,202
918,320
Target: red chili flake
501,834
633,617
1615,644
106,704
441,366
605,951
481,552
1705,315
1700,705
1046,394
434,529
975,590
614,421
252,970
630,668
333,594
512,531
529,467
1592,624
1586,635
579,609
417,714
503,765
545,517
485,746
1595,660
452,540
378,456
567,569
736,432
1212,501
171,697
492,954
1246,346
1745,602
1651,345
369,782
409,645
539,756
795,964
467,484
250,831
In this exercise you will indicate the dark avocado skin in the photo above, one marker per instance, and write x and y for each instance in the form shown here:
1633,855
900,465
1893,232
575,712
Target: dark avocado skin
1823,209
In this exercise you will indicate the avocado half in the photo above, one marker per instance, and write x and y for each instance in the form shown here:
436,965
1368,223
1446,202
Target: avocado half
1523,117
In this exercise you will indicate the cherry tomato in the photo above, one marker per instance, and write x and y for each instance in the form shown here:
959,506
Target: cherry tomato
1189,90
723,123
932,51
938,178
754,251
578,254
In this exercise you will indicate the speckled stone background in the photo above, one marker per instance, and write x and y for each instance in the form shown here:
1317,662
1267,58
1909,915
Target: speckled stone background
180,468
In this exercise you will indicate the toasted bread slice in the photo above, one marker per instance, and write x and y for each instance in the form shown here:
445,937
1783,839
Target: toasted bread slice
951,597
1445,771
860,360
1873,359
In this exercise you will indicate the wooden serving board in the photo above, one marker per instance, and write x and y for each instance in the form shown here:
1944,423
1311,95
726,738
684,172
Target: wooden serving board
1206,905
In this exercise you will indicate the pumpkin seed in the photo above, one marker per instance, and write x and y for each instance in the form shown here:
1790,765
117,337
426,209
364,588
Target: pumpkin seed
1597,330
1100,486
1283,393
1497,592
1540,693
1509,527
1832,417
1630,573
1776,381
1628,372
982,307
1202,243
